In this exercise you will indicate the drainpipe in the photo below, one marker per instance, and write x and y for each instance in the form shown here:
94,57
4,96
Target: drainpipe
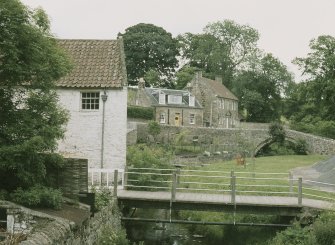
104,99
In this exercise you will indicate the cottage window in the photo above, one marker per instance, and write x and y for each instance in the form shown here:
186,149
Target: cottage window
162,118
221,103
192,118
90,100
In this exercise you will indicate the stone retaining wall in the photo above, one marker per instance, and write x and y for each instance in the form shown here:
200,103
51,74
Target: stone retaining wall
45,229
235,139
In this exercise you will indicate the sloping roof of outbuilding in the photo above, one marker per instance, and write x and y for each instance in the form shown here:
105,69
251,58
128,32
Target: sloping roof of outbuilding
96,63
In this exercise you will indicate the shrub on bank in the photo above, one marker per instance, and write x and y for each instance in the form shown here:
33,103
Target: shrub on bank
38,196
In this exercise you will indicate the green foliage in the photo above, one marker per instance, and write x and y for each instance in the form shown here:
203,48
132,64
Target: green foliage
140,112
154,128
149,47
315,126
153,79
103,198
300,147
184,75
110,235
143,156
38,196
112,231
310,106
261,88
221,49
321,232
31,121
277,132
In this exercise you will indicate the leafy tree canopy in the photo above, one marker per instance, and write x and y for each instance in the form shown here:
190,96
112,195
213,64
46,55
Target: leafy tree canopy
262,88
223,48
149,47
311,104
30,119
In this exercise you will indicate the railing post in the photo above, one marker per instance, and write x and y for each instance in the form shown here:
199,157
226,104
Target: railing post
125,178
116,175
233,187
300,191
178,175
174,186
290,179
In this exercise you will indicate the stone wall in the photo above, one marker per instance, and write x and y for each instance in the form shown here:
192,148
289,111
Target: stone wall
235,139
45,229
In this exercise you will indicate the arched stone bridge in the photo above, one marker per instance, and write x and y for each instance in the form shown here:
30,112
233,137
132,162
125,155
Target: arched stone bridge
235,139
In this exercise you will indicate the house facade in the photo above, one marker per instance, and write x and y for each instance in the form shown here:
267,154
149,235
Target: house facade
95,96
172,107
219,103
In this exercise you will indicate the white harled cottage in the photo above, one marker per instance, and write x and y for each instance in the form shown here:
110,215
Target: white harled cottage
95,95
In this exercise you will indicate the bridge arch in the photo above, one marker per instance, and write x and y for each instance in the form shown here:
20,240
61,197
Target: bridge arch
269,141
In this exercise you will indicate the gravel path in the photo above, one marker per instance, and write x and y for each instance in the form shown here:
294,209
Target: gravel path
323,171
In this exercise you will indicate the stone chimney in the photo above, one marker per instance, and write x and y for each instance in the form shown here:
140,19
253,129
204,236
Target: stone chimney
141,83
198,75
218,78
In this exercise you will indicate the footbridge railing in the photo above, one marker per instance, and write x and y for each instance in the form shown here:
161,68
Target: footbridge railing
231,183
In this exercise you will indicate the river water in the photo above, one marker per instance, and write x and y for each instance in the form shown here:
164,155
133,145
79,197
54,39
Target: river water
186,234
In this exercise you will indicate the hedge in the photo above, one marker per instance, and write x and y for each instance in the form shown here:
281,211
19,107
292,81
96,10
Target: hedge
140,112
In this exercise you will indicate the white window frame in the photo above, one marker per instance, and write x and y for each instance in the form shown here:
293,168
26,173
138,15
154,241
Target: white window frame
192,118
222,103
162,118
90,100
175,99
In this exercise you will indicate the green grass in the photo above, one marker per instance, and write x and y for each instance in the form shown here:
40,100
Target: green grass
273,164
252,179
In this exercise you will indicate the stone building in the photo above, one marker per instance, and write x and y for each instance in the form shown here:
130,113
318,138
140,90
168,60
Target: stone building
172,107
219,103
95,95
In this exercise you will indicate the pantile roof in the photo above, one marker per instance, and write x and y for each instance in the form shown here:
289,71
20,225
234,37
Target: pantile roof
96,63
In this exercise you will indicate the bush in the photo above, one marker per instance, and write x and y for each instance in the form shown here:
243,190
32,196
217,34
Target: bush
38,196
103,198
321,232
300,147
277,132
143,156
140,112
154,129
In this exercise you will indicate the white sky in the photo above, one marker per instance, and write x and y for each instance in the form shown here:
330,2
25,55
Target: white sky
285,26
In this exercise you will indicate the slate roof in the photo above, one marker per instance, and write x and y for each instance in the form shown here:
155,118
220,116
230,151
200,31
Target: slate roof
218,88
96,63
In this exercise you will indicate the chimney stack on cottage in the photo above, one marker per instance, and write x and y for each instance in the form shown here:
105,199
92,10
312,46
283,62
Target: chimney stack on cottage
141,83
198,75
218,78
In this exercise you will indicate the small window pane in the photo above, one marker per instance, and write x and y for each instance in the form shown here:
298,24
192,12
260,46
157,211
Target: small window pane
90,101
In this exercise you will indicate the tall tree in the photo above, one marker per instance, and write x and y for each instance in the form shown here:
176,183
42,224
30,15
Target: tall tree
262,88
149,48
222,49
30,119
316,95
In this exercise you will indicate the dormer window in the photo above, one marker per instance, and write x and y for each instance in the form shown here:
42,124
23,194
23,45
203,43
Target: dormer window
161,99
175,99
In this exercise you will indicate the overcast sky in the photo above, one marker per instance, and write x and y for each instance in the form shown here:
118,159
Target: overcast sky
285,26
